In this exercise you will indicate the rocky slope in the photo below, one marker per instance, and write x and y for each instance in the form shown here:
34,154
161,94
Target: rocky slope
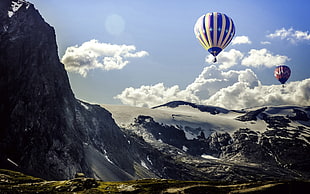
255,144
44,130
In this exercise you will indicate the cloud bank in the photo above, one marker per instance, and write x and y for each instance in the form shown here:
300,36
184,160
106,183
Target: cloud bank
232,89
263,57
149,96
95,55
291,35
229,89
254,58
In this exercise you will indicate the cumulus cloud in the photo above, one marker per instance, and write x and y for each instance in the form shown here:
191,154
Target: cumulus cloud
291,35
241,40
229,89
254,58
212,79
95,55
239,95
263,57
149,96
227,59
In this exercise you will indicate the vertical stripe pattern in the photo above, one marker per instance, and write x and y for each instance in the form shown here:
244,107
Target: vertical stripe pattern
282,73
214,31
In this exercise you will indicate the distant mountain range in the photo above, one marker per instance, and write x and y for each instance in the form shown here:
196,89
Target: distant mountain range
258,143
46,132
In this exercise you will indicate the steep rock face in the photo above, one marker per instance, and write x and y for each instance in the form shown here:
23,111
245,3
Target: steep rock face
44,130
38,102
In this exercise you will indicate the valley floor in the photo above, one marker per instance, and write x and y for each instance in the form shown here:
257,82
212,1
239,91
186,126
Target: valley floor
15,182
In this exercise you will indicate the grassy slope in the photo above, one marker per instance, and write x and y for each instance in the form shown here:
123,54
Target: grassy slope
15,182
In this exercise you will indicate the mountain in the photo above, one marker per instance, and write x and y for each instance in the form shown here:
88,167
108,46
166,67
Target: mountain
48,133
202,108
44,130
264,143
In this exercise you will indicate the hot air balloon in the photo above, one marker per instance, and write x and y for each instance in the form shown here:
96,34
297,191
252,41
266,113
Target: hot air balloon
282,73
214,32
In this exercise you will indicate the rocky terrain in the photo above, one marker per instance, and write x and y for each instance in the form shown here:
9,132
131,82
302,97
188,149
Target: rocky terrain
253,144
46,132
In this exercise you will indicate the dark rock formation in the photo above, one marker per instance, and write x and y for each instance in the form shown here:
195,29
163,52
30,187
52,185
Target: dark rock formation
299,115
203,108
44,130
251,115
38,105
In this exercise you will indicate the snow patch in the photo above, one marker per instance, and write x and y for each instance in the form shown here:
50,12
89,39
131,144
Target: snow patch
10,13
84,105
184,148
209,157
5,28
106,157
15,7
12,162
149,160
144,164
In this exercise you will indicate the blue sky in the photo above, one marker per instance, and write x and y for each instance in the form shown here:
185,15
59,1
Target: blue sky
145,52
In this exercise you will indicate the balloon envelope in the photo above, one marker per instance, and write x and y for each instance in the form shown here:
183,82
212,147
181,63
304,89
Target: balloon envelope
214,31
282,73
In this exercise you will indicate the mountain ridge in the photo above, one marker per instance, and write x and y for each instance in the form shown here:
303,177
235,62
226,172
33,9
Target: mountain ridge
259,139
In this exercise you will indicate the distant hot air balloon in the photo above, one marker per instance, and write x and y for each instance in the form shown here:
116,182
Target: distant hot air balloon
282,73
214,32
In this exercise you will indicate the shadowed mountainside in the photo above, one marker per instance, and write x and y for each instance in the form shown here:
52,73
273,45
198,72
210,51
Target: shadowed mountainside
44,130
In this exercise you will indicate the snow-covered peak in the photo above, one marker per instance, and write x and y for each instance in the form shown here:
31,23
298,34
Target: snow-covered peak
16,5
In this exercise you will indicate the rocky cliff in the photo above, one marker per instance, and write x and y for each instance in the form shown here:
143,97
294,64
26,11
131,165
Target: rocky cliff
44,130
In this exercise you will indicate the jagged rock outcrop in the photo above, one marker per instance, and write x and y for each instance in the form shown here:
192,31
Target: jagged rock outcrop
280,148
38,105
44,130
203,108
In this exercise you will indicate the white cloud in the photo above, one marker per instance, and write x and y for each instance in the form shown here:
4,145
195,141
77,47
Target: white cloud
241,40
263,57
254,58
212,79
291,35
149,96
226,59
228,89
240,96
96,55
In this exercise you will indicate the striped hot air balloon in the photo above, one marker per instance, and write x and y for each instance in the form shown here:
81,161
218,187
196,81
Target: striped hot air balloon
282,73
214,32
